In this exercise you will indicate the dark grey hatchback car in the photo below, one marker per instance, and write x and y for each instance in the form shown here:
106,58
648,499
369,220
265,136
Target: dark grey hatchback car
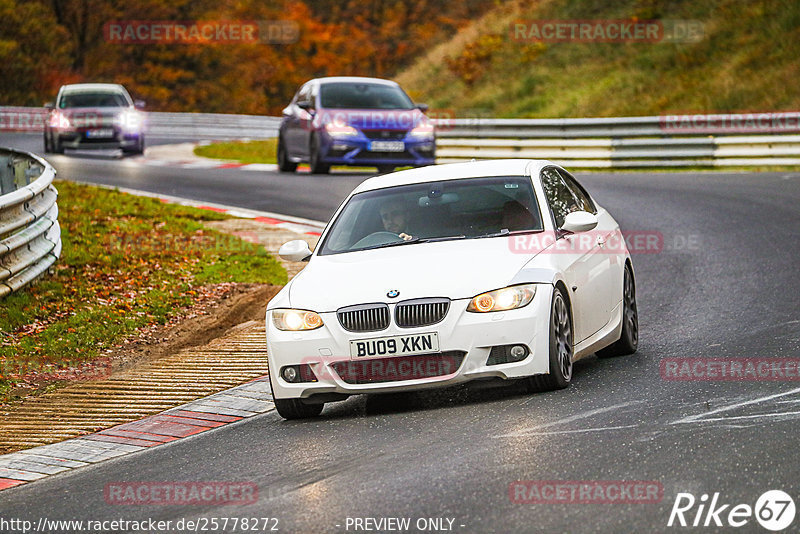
94,115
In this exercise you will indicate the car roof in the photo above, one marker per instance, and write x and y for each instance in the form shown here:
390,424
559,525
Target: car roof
354,79
455,171
93,87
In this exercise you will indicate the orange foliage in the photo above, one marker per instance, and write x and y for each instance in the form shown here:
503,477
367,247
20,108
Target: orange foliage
355,37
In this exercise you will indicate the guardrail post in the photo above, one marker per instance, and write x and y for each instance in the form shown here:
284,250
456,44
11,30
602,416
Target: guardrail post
7,184
31,171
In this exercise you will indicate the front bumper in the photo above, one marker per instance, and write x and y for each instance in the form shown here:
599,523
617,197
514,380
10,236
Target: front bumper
473,334
78,138
354,151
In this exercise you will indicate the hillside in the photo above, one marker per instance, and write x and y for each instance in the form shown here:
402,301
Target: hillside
747,60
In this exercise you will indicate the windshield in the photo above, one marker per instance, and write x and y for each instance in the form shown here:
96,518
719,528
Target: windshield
454,209
92,100
363,96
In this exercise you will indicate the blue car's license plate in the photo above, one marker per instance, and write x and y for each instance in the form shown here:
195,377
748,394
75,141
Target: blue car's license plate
387,146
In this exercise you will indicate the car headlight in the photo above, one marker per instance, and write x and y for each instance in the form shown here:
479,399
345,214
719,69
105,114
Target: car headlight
340,130
507,298
130,120
59,120
294,320
422,132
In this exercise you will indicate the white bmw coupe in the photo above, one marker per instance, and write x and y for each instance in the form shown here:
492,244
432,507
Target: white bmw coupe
444,274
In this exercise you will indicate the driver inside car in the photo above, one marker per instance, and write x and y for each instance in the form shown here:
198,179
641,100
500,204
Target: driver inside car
394,216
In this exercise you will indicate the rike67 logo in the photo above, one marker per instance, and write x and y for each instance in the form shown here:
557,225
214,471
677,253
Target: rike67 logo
774,510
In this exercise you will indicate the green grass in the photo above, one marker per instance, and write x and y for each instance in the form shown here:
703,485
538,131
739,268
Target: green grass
748,61
255,152
242,151
128,262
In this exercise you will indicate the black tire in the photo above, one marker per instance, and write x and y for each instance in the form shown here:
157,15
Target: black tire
628,340
296,409
317,167
561,347
56,146
47,147
284,163
138,150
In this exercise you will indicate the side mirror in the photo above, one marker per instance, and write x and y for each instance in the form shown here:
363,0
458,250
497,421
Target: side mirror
139,104
422,107
579,221
50,105
296,250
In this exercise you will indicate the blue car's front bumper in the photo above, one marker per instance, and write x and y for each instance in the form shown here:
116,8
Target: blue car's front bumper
356,151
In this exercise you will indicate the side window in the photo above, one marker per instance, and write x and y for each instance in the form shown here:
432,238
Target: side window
584,200
559,196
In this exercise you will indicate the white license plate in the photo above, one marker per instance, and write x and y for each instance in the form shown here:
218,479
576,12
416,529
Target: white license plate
100,132
387,146
395,346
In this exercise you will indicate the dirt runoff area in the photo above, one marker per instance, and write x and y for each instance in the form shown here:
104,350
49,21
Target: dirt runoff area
167,362
235,304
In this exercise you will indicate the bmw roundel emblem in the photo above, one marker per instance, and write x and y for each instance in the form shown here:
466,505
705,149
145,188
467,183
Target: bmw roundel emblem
393,293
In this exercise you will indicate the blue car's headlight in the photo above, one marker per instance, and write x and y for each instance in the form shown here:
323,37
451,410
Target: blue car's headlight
423,132
340,130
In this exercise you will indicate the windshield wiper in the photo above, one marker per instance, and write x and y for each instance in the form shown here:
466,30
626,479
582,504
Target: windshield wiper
505,232
392,244
413,240
435,239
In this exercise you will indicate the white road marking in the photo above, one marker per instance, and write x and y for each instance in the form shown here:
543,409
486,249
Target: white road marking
599,429
576,417
735,417
259,167
702,417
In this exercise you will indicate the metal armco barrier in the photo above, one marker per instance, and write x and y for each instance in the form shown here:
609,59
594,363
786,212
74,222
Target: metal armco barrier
211,126
741,140
194,126
30,237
